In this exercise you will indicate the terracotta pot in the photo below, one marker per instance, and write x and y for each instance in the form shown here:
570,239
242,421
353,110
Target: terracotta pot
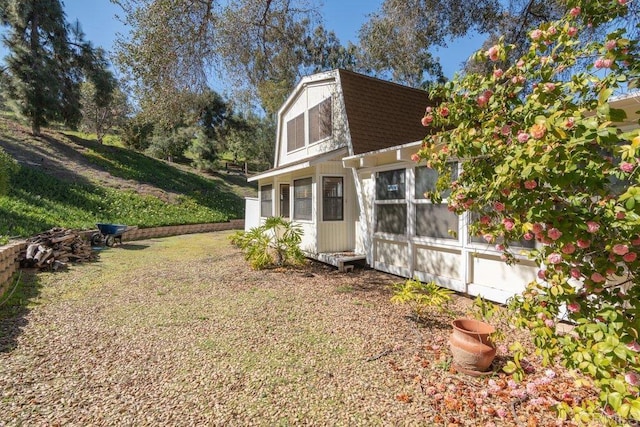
471,346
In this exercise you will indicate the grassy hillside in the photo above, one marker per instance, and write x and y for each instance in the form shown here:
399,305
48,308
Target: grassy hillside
69,181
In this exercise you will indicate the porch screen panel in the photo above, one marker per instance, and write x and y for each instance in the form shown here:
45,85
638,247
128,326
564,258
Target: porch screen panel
295,133
332,198
434,220
391,202
266,200
302,199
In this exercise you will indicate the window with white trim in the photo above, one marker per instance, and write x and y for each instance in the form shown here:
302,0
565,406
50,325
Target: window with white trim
266,200
332,198
320,124
391,202
433,219
302,199
295,133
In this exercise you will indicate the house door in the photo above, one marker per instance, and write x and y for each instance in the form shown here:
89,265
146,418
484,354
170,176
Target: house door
284,200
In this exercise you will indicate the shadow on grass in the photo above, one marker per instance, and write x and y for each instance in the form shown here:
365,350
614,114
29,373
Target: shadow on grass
133,247
24,288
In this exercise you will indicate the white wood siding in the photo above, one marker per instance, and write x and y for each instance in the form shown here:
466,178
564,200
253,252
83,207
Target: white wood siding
337,236
311,96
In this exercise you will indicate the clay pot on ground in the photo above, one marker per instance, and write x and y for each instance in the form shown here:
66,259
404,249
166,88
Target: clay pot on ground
471,346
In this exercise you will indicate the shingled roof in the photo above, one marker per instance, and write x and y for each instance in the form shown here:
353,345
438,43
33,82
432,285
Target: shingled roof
381,114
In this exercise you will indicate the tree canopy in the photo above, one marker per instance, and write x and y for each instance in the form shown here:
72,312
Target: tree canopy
48,59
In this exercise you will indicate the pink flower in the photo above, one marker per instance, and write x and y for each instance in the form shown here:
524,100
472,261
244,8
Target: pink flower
508,224
537,131
530,184
506,130
603,63
630,257
426,120
632,378
493,52
554,233
528,236
552,31
542,275
622,2
500,247
415,157
549,323
568,249
537,228
554,258
536,34
517,79
620,215
501,412
575,273
627,167
636,241
572,31
489,238
482,101
597,277
620,249
593,227
523,137
633,346
499,206
583,244
610,44
498,73
575,11
549,87
444,111
608,63
573,307
570,123
484,219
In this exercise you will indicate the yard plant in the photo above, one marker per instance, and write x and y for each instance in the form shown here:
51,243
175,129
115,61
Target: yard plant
543,159
274,243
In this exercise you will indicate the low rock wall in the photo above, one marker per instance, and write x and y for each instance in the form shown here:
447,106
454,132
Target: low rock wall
9,253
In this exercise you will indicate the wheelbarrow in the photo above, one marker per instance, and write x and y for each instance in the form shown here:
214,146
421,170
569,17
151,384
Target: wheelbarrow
108,234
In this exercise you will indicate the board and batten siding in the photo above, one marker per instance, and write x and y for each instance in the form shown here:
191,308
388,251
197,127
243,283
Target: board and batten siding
337,236
312,95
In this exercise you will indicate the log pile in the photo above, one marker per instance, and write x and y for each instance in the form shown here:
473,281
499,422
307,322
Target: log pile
53,249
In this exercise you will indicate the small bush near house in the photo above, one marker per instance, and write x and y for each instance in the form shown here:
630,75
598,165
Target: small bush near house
275,243
421,296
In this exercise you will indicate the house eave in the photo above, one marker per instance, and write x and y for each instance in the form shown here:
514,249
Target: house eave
333,155
400,153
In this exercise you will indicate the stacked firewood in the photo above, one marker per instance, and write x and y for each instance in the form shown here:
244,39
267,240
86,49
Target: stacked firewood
55,248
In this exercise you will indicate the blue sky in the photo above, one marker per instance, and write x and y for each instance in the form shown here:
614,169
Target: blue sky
98,21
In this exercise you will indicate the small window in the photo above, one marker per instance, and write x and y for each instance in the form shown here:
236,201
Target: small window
332,198
302,199
266,200
320,125
295,133
284,200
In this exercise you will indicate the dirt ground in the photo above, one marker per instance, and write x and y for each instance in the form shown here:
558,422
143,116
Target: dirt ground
180,331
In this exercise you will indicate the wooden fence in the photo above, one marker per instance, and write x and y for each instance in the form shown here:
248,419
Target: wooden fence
9,253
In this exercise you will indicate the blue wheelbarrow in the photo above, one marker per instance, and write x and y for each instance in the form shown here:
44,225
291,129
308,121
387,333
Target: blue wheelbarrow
108,234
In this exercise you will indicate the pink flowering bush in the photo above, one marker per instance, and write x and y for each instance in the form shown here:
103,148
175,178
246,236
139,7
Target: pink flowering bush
543,160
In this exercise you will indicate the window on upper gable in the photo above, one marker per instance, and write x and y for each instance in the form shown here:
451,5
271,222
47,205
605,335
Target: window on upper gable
295,133
320,124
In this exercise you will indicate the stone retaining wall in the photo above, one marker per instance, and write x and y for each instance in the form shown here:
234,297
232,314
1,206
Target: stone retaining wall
9,253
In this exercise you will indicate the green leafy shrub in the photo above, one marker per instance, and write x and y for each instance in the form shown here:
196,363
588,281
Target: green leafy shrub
543,160
421,296
275,243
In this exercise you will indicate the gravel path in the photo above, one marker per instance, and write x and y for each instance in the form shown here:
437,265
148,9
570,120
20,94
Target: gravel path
179,331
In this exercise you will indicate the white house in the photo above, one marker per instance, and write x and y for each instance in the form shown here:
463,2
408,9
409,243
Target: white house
343,172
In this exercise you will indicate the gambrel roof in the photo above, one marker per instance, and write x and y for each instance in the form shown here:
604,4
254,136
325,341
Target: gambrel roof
381,114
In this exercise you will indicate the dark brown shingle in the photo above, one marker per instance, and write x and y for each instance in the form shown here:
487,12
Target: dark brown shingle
381,114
